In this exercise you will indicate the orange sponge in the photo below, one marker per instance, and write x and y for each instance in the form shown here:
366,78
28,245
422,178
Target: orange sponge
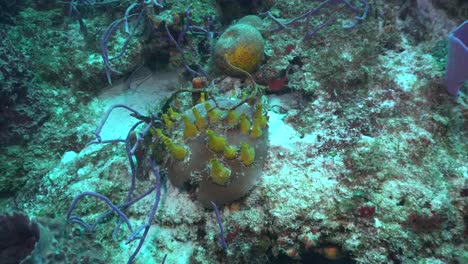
242,46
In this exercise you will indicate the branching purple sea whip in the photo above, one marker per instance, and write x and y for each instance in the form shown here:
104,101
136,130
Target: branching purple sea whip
119,209
188,27
141,13
220,224
308,14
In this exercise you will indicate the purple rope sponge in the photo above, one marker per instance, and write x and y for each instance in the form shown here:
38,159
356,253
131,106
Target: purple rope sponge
457,63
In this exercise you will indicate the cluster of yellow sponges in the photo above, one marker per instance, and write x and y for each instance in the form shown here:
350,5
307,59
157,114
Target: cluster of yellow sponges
220,151
217,143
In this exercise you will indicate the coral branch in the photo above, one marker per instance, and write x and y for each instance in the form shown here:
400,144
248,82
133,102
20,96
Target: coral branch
220,224
308,14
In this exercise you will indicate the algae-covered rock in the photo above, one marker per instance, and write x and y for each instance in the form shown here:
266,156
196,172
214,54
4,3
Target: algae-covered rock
223,161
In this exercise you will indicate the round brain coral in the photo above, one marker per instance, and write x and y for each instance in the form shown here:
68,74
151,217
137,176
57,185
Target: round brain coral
222,162
242,46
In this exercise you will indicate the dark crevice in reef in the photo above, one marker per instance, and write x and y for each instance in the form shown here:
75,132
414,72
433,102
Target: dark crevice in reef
235,9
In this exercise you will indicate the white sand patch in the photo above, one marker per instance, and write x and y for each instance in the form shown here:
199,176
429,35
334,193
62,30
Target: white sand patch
145,93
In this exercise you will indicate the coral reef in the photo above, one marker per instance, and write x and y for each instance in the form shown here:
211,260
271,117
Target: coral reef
23,102
344,148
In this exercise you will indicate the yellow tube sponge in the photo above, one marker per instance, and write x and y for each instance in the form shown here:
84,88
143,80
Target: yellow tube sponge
219,173
259,117
173,114
158,132
190,130
244,124
230,152
213,115
167,121
232,118
256,130
215,143
247,154
202,98
177,151
199,121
